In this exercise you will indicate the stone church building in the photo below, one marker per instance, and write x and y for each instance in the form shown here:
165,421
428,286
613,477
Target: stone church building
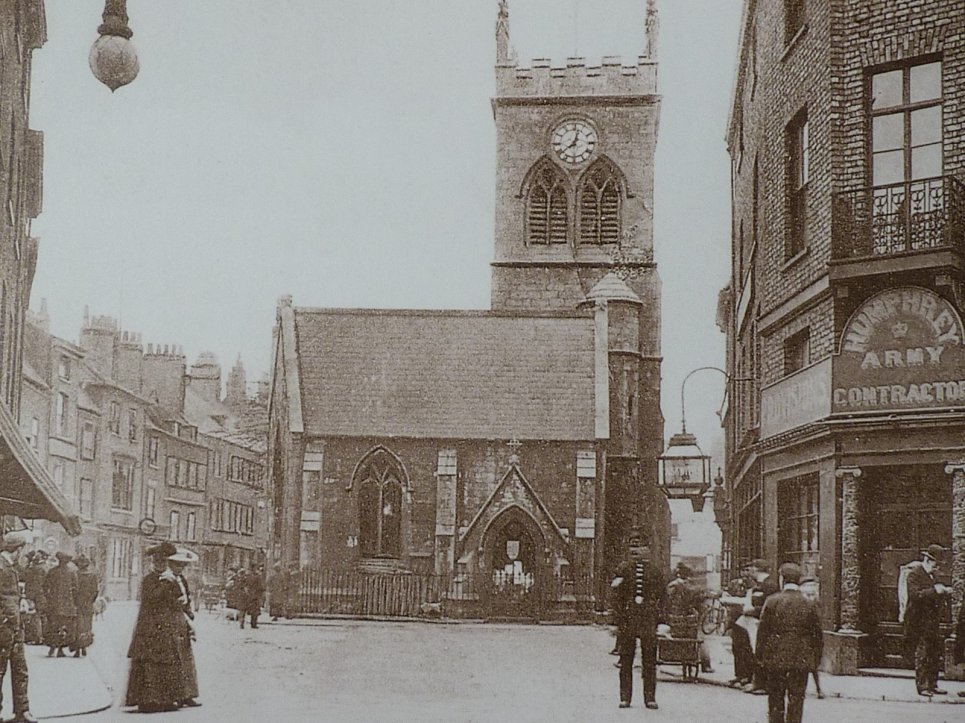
514,445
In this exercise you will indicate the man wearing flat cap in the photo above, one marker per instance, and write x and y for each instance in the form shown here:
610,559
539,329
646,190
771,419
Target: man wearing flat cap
789,640
639,600
11,630
926,604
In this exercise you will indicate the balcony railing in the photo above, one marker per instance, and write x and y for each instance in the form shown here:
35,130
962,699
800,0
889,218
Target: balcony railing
899,218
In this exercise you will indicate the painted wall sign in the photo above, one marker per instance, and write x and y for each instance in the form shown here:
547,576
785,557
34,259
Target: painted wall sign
902,349
796,400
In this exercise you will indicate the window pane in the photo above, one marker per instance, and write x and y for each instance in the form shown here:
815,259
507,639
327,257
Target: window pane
886,89
926,161
888,132
926,126
889,167
926,82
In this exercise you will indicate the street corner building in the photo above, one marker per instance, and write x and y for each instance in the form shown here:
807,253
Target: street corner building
846,411
505,451
26,488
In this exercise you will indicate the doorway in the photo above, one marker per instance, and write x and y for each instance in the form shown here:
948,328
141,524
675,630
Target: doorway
514,549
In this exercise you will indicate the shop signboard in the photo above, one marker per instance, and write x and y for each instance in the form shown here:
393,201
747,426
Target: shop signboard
902,349
796,400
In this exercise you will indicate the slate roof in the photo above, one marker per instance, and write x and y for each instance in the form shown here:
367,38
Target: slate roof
445,374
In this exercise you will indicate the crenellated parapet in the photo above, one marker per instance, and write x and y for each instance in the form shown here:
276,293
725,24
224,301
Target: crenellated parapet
170,351
610,77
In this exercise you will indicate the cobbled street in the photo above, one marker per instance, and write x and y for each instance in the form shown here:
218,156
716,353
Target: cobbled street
381,671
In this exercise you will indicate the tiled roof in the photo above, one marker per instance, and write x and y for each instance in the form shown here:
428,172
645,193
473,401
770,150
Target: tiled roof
445,374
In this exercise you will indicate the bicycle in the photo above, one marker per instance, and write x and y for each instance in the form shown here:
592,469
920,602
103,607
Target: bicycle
715,619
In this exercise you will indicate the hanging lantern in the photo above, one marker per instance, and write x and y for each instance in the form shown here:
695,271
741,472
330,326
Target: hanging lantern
113,59
685,470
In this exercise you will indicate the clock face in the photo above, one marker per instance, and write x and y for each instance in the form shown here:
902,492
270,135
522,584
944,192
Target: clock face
574,141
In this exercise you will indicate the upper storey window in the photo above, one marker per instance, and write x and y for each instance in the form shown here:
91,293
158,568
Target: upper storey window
906,123
908,204
600,201
546,207
798,174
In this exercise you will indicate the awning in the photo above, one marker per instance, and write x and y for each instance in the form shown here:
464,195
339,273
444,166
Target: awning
26,488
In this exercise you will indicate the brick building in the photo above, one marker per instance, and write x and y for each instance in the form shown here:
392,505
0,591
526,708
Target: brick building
28,491
513,445
846,412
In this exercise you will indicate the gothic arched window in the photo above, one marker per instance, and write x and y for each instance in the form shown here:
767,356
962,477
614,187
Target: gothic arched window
601,201
546,206
380,505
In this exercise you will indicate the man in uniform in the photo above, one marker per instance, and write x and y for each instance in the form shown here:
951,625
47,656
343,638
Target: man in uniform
926,605
639,595
789,640
11,631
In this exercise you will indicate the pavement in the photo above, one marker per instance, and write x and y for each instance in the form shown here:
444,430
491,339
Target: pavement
60,686
881,685
68,686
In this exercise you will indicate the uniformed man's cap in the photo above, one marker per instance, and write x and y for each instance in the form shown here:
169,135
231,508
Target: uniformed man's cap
761,564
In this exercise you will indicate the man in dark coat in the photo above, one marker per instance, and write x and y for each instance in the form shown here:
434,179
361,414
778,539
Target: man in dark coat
960,640
789,640
639,597
60,589
254,595
155,680
11,631
926,604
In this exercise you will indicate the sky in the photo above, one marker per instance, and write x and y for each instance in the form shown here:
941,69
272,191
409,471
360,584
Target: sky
343,153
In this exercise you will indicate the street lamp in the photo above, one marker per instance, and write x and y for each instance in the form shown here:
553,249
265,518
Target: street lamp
113,59
684,468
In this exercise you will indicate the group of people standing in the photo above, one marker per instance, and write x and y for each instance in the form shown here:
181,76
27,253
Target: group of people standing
162,675
785,640
55,604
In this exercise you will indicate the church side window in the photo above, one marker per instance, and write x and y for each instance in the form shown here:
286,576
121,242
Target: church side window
600,205
546,213
380,506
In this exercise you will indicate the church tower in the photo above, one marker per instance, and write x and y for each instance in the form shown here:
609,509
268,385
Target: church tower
574,234
574,173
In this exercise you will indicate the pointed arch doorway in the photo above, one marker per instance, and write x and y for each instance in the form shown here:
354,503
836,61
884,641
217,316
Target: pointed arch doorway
514,552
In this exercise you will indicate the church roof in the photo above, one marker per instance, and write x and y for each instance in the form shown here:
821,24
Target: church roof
444,374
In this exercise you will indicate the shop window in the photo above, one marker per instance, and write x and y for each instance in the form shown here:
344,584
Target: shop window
798,523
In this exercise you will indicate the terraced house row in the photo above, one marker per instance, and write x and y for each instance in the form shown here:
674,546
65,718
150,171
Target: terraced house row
143,447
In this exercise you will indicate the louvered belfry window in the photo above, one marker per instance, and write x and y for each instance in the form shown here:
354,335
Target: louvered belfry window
600,198
547,207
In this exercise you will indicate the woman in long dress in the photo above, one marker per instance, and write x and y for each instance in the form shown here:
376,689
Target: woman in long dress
155,680
87,589
189,675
